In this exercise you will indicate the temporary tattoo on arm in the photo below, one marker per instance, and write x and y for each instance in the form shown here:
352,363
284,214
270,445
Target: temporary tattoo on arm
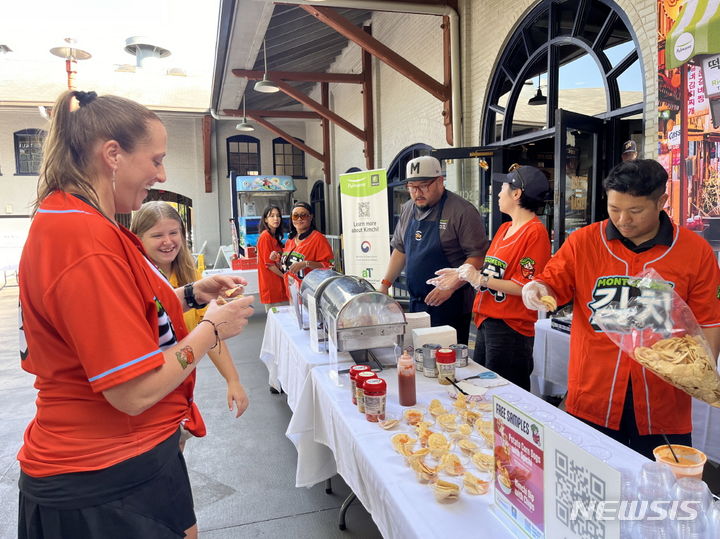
185,356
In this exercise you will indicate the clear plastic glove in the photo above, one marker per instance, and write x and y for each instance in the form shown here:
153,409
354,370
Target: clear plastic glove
470,274
538,297
447,279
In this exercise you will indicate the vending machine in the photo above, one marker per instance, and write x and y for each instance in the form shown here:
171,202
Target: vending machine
250,196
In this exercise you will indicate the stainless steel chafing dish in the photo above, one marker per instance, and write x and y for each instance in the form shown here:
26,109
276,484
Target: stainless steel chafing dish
359,318
312,287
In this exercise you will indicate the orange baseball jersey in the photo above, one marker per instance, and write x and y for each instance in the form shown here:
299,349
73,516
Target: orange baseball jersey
272,286
95,313
592,270
517,259
314,248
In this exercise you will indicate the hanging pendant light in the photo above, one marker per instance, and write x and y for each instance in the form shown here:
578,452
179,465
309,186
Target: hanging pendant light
244,125
539,98
265,85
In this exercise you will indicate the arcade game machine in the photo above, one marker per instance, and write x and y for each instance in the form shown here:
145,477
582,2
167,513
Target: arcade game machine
250,196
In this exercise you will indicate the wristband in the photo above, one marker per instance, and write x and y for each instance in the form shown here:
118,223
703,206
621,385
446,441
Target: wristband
385,282
217,335
190,297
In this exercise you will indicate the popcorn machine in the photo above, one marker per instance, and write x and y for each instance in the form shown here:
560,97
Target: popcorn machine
251,195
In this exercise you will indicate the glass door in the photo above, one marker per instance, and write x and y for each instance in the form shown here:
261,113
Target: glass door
577,189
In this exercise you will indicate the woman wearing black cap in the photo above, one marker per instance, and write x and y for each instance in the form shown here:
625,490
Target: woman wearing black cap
520,248
306,249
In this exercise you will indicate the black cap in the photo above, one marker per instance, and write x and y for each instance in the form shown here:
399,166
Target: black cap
629,146
530,179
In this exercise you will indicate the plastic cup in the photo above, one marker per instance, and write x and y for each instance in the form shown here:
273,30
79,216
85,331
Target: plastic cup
692,461
656,481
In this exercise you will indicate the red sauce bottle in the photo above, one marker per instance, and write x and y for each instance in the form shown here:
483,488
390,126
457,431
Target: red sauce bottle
406,380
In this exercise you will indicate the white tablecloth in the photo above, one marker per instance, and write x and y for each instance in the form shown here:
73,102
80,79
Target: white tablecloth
551,352
286,353
551,356
332,437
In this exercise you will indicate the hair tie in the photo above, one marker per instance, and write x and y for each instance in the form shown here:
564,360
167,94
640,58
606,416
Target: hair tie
85,98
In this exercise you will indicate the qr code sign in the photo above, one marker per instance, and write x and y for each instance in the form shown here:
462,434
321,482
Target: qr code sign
364,209
574,482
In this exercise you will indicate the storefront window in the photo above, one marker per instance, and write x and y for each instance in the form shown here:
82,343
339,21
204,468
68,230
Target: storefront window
581,87
591,54
630,84
530,112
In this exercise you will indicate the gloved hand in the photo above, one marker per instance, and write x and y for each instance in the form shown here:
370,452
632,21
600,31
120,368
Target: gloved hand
538,297
469,273
447,279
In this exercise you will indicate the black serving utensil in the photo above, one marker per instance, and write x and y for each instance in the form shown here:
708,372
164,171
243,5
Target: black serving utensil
670,448
461,390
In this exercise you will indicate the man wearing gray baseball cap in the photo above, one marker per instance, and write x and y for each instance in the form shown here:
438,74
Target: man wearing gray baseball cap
437,229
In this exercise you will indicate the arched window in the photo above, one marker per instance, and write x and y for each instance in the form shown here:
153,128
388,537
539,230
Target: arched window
397,193
317,203
577,55
28,151
287,159
243,155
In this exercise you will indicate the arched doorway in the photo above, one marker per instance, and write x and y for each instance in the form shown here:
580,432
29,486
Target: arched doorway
317,202
565,94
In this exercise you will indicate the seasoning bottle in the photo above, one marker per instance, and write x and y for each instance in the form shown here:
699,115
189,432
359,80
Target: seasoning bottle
406,380
354,370
375,395
445,359
429,366
359,395
418,360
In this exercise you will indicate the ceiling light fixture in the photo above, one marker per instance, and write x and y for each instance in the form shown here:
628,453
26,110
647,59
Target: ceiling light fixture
265,85
244,125
539,98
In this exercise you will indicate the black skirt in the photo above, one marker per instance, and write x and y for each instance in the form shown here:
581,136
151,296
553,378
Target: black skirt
145,496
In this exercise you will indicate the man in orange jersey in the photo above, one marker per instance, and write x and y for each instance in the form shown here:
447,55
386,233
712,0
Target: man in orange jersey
606,388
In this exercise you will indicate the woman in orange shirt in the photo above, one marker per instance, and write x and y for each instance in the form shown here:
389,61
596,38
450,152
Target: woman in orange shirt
519,250
306,249
270,278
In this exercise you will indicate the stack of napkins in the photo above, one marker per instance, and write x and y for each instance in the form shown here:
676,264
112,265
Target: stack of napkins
415,321
442,335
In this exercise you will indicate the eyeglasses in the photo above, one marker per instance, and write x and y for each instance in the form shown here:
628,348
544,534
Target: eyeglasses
300,216
423,188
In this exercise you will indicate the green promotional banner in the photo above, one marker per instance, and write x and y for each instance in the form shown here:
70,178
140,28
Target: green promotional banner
366,232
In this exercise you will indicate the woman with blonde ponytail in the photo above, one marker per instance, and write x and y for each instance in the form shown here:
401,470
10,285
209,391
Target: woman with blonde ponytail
103,333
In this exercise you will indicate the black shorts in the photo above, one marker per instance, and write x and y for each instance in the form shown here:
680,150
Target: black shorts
146,496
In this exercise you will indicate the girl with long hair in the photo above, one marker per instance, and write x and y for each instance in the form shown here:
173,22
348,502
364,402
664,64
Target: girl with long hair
270,278
162,232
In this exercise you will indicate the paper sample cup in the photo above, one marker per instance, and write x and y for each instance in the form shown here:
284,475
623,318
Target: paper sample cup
691,460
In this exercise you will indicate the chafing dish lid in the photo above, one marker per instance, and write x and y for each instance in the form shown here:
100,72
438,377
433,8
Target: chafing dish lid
354,303
316,281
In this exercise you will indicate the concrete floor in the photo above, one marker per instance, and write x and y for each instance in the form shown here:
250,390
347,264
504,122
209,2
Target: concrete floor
242,472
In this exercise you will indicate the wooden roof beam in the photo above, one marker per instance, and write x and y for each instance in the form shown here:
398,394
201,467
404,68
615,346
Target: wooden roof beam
301,114
320,109
300,76
382,52
289,138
